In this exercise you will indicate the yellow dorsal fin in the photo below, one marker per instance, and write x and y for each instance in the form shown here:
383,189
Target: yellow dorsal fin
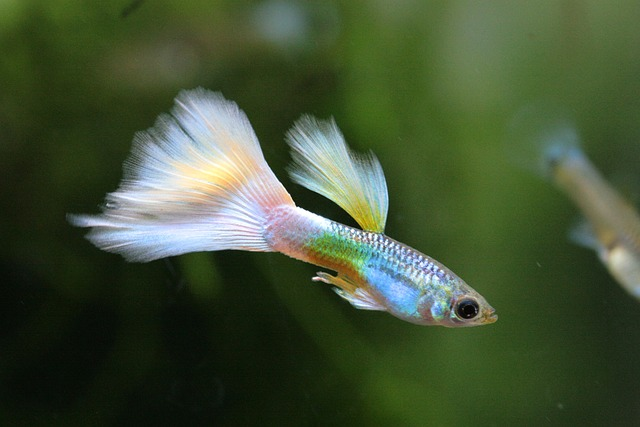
322,162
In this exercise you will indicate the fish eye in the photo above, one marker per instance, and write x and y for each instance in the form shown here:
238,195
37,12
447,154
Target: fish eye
467,309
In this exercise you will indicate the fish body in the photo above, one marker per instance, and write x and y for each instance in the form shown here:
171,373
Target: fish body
610,225
198,181
375,271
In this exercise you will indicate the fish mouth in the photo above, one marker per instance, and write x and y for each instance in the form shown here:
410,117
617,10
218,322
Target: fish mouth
490,316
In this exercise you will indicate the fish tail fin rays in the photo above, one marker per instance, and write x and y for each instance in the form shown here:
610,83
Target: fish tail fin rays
542,136
196,181
323,163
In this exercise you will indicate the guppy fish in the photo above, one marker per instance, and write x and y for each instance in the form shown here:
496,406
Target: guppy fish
611,225
198,181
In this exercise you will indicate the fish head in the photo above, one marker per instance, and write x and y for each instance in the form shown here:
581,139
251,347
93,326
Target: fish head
457,306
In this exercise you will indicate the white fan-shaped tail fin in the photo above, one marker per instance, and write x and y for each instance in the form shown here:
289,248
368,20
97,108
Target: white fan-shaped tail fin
322,162
196,181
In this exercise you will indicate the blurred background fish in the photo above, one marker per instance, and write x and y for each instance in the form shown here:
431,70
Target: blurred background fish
544,139
198,181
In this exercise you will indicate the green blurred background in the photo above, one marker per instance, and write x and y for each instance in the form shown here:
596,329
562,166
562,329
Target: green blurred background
239,338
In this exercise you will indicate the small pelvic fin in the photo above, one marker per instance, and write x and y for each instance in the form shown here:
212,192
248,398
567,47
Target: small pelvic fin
347,289
323,163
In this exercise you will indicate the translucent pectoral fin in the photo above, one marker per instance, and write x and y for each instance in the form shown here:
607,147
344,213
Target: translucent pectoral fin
349,290
581,233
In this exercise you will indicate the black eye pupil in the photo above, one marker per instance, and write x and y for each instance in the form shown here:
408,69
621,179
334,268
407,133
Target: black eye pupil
467,309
